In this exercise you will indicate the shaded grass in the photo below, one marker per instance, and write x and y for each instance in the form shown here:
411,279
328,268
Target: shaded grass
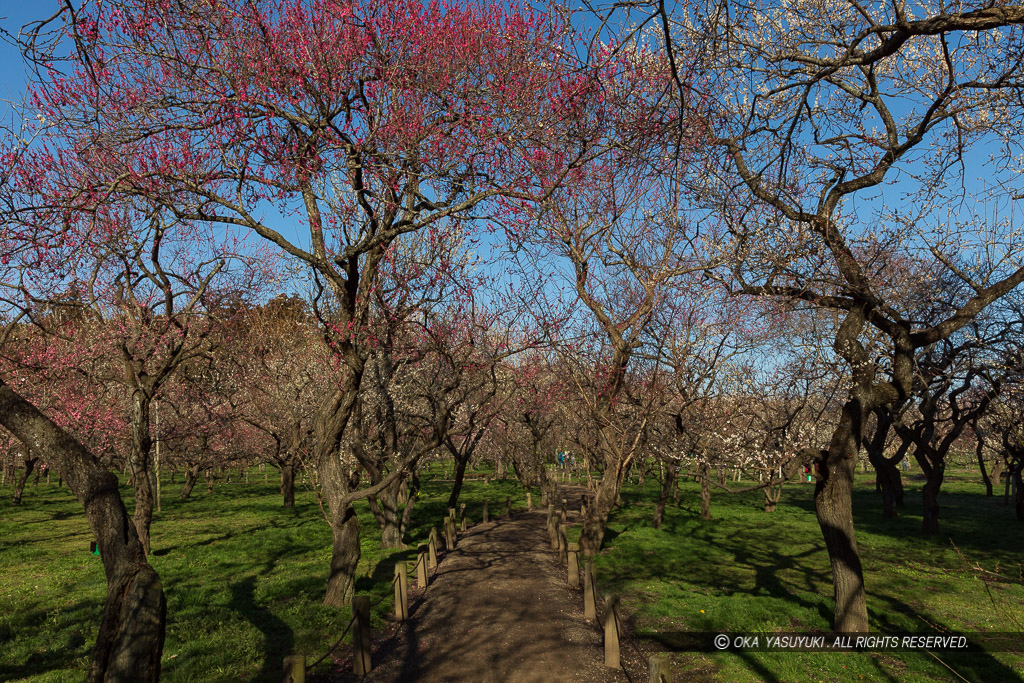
244,578
751,571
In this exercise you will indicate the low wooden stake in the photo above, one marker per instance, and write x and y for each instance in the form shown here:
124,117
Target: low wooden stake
401,591
659,669
508,506
563,544
574,565
589,602
611,632
529,502
361,662
433,549
486,516
295,669
421,567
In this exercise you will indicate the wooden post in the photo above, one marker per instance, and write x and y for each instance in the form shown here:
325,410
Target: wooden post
529,501
589,602
433,548
552,527
361,662
508,506
421,567
574,565
401,591
449,535
563,544
659,670
295,669
611,632
485,512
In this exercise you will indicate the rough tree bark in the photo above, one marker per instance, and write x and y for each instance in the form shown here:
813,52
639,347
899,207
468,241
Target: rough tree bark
131,634
667,486
887,474
142,467
191,477
19,486
833,504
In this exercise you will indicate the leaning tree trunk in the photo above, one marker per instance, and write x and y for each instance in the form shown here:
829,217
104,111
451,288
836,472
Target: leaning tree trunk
19,486
833,503
600,508
131,633
460,474
191,477
981,466
142,467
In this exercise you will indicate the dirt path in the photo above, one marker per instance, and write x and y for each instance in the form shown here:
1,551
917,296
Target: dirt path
498,609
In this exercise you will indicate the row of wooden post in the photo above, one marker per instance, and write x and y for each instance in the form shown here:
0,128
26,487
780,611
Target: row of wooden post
569,555
426,561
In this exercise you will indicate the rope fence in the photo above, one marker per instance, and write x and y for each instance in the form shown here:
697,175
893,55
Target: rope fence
426,563
659,669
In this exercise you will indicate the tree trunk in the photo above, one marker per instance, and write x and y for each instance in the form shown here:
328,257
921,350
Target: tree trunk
142,468
288,482
981,466
891,484
833,503
131,634
705,492
19,486
1018,491
772,494
930,500
345,553
460,474
596,520
667,486
191,477
386,511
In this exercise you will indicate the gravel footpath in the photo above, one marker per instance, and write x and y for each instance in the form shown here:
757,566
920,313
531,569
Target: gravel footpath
499,609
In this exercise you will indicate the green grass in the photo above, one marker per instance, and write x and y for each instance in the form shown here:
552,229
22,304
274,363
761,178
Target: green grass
751,571
244,578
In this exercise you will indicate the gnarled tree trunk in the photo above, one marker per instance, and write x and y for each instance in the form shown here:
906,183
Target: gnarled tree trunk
669,483
142,467
288,481
19,486
131,634
191,477
833,504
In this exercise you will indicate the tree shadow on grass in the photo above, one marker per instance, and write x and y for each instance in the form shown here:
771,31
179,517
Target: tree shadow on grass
51,657
278,637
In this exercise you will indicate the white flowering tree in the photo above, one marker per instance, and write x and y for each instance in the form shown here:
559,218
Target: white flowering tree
854,133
